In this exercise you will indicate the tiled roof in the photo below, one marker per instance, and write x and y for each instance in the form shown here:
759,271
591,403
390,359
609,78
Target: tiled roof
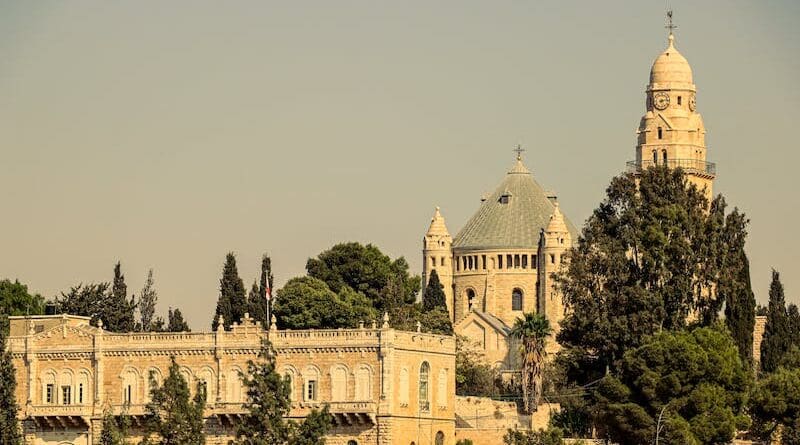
512,217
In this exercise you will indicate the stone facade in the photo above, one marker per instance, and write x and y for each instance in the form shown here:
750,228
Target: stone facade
383,386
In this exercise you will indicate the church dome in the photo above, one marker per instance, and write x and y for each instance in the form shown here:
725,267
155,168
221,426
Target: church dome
513,216
671,67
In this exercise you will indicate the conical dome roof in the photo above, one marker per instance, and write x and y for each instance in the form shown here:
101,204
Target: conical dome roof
511,217
437,226
670,67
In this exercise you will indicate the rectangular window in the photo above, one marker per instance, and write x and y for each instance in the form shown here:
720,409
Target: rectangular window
509,261
516,261
80,393
66,395
483,261
311,390
441,261
127,393
499,261
524,261
533,261
552,259
679,100
48,394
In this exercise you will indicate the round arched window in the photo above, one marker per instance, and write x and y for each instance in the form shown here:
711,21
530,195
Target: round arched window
424,387
470,299
516,299
439,438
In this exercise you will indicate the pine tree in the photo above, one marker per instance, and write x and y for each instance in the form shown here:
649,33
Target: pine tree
176,322
776,331
147,304
268,404
256,305
434,293
232,303
115,430
735,287
119,311
9,427
174,418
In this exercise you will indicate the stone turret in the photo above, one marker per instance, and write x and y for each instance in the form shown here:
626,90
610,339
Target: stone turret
555,241
437,255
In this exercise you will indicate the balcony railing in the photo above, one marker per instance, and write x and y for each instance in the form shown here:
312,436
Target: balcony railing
696,166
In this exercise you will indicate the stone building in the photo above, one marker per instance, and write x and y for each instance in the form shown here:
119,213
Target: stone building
383,386
500,264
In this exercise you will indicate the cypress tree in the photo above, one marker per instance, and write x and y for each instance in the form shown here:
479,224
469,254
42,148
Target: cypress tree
776,331
176,323
232,303
434,293
9,427
256,306
735,287
147,304
118,310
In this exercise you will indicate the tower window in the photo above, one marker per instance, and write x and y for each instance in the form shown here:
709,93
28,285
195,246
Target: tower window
516,300
311,390
516,262
424,402
660,134
524,261
552,259
655,157
80,393
533,261
664,153
483,261
433,262
470,299
509,260
679,100
441,261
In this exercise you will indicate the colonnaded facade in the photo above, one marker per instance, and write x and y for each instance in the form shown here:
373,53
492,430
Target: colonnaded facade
500,265
383,386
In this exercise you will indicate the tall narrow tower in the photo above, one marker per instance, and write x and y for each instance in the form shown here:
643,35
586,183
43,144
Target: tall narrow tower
671,132
437,255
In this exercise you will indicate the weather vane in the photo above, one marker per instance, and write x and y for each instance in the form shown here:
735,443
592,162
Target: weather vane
519,151
670,26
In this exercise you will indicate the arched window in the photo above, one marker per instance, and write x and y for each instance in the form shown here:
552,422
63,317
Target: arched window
129,386
82,392
339,383
470,299
363,383
206,376
403,387
655,157
516,299
289,374
441,391
65,390
664,153
352,442
311,386
424,388
49,388
439,438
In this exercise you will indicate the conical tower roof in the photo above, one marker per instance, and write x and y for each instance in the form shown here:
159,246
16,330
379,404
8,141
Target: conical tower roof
557,222
512,216
437,226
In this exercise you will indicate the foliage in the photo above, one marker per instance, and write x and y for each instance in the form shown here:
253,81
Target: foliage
259,307
231,304
651,255
775,402
176,322
777,334
532,331
268,404
16,300
85,300
308,303
473,376
574,418
256,306
434,296
406,317
9,427
694,380
148,297
119,311
734,285
173,416
115,429
464,442
366,270
550,436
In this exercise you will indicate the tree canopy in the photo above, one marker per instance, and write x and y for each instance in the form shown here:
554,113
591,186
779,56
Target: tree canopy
434,294
173,416
16,300
9,426
308,303
232,303
775,404
694,381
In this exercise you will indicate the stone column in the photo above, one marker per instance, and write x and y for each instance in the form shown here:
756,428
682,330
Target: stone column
99,392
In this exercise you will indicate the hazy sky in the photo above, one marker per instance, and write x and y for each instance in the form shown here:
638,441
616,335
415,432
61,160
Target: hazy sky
165,134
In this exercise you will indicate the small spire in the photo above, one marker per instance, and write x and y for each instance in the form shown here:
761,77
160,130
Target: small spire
670,26
437,226
519,151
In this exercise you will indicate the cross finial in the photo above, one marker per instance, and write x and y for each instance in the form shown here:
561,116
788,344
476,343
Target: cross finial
670,26
519,151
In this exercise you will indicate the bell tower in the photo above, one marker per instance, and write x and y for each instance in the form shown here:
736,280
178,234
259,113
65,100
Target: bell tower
437,255
671,133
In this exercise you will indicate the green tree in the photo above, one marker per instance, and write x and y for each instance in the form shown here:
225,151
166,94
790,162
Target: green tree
364,269
793,313
777,335
231,304
775,404
118,311
268,404
16,300
308,303
734,284
257,307
9,426
173,416
148,297
405,318
649,256
176,322
265,289
434,294
474,377
532,331
550,436
93,300
115,429
694,382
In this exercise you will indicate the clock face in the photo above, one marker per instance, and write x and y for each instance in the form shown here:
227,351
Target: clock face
692,103
661,100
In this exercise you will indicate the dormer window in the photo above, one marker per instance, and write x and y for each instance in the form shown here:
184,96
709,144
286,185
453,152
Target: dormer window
505,197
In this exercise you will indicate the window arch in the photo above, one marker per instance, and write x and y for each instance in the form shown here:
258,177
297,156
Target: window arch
363,383
470,299
66,381
206,379
49,387
664,154
311,384
424,386
83,392
439,438
516,299
130,378
655,157
403,387
290,374
338,383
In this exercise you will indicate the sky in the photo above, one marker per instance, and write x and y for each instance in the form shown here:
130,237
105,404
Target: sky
166,134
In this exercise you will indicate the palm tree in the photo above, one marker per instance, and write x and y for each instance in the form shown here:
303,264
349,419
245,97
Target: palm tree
533,331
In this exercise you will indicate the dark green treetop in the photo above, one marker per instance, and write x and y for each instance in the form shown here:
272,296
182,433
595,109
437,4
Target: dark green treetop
232,303
176,323
434,293
16,300
777,332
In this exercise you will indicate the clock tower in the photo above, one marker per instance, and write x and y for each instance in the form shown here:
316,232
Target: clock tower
671,132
